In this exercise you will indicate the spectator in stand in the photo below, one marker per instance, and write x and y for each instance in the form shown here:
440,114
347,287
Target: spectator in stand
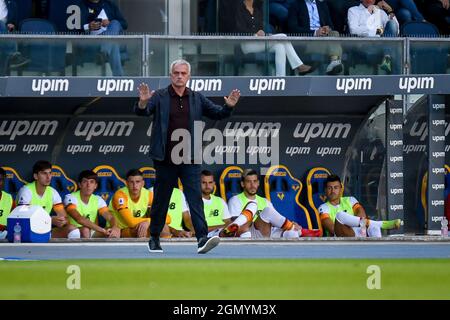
405,10
249,19
368,20
438,13
104,17
311,17
278,13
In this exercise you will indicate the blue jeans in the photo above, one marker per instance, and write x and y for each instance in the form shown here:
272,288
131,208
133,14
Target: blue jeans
166,179
405,10
113,49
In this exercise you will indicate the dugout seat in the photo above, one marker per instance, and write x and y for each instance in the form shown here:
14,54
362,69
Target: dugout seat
315,190
283,190
108,182
61,182
13,182
230,182
149,176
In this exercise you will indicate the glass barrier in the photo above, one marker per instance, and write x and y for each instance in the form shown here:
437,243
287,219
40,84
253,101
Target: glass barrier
31,55
429,56
364,173
276,56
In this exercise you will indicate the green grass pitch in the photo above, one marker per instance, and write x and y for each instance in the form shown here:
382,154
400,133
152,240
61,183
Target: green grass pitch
209,279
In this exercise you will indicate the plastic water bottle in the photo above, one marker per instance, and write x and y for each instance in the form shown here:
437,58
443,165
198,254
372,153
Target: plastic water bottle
444,227
17,233
362,228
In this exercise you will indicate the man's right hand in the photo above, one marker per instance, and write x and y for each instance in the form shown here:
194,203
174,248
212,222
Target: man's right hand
144,95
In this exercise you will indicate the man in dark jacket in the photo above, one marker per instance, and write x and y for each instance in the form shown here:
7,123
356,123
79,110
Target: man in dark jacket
104,17
312,18
176,110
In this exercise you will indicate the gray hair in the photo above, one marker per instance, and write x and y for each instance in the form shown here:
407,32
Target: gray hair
178,62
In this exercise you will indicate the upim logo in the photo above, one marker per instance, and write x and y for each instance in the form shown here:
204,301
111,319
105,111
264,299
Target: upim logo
395,143
110,128
260,85
395,159
115,85
396,110
396,207
29,128
437,203
322,130
395,175
395,127
45,85
438,170
205,84
420,129
250,129
412,83
351,84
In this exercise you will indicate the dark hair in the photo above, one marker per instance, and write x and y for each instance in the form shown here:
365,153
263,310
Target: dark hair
133,173
2,172
207,173
248,172
333,178
41,165
87,174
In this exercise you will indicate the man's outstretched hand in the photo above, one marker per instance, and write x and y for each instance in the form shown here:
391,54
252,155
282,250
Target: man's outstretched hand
144,95
232,98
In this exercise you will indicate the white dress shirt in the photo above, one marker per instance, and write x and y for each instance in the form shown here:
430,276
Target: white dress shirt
3,11
365,24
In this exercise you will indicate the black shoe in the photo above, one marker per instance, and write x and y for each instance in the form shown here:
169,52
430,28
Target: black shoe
154,246
17,60
205,244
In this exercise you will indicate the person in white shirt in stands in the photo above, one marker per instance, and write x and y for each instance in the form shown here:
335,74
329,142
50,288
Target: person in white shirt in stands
369,20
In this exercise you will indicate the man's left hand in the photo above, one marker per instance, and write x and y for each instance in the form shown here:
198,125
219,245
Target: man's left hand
232,98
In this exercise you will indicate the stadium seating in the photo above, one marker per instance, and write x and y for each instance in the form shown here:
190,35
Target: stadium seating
13,181
24,9
315,186
46,56
420,62
108,182
61,182
149,176
230,182
283,190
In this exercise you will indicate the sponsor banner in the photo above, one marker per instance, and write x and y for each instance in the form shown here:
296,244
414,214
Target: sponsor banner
394,163
220,86
123,142
436,160
2,86
25,140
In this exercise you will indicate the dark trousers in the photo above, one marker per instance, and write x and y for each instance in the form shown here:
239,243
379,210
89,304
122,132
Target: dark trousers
166,179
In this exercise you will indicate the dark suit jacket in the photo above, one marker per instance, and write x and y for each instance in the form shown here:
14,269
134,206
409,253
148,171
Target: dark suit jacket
298,21
159,107
12,12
